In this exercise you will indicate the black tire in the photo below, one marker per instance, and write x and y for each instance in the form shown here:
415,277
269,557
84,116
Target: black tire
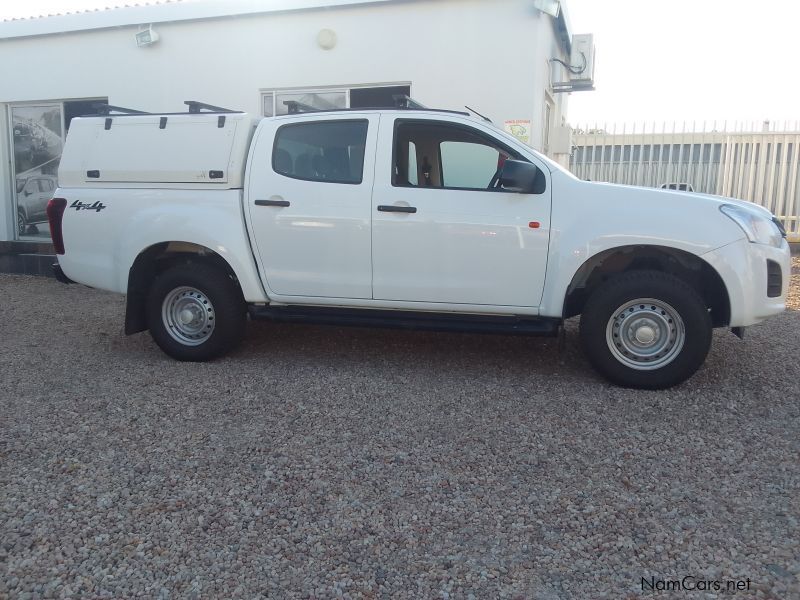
22,223
226,314
598,330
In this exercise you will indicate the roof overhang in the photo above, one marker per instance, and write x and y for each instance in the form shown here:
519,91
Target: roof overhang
161,13
564,27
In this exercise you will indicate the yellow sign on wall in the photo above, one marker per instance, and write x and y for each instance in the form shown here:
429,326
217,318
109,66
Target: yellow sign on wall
520,129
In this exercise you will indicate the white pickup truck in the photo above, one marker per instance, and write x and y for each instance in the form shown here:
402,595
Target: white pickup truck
407,217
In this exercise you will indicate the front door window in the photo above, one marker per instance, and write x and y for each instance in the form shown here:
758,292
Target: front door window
439,155
468,165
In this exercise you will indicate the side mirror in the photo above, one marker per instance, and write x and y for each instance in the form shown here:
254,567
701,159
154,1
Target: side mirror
522,177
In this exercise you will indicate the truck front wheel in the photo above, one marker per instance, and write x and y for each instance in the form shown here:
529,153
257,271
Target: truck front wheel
195,312
646,329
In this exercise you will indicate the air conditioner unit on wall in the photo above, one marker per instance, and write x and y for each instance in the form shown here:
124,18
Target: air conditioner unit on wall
582,59
580,66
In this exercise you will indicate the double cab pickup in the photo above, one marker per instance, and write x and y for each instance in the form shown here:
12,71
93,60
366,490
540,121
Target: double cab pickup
406,217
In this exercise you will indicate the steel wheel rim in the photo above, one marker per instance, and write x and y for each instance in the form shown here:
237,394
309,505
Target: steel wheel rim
188,316
645,334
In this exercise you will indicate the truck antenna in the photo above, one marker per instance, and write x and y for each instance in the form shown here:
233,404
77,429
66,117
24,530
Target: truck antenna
484,117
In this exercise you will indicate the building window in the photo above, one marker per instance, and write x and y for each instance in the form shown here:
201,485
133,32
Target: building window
548,117
275,102
327,151
328,100
268,104
377,97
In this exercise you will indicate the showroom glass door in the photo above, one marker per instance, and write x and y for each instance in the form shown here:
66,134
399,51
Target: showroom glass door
38,133
37,143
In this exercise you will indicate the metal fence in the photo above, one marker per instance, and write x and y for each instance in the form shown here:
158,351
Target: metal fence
755,162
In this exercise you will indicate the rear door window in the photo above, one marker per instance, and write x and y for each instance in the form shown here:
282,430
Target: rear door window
326,151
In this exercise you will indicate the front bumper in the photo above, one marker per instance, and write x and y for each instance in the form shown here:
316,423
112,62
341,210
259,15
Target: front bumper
744,269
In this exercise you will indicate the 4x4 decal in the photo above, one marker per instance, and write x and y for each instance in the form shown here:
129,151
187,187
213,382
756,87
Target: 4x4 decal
78,205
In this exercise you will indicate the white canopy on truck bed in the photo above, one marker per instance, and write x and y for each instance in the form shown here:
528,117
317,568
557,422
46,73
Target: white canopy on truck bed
172,150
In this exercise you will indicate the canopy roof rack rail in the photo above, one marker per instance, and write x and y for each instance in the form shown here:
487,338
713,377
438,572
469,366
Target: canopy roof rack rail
401,102
195,108
104,109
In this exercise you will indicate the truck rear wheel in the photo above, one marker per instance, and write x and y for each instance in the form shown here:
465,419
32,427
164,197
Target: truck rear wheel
646,329
195,312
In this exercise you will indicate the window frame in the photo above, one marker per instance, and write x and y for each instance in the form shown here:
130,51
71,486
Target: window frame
494,142
318,122
299,91
346,89
548,109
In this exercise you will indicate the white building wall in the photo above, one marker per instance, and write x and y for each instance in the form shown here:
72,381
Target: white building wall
490,55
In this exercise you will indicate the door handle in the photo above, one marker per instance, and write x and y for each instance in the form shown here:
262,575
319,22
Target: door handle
400,209
272,203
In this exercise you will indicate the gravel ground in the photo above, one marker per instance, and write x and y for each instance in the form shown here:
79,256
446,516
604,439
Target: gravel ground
323,462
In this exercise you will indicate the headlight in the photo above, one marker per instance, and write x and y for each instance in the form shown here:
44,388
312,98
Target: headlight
758,229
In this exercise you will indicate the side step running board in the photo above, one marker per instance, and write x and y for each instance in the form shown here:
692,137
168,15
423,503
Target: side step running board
397,319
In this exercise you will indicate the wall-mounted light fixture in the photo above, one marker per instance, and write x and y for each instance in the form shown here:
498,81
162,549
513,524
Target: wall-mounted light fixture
146,37
551,7
326,39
